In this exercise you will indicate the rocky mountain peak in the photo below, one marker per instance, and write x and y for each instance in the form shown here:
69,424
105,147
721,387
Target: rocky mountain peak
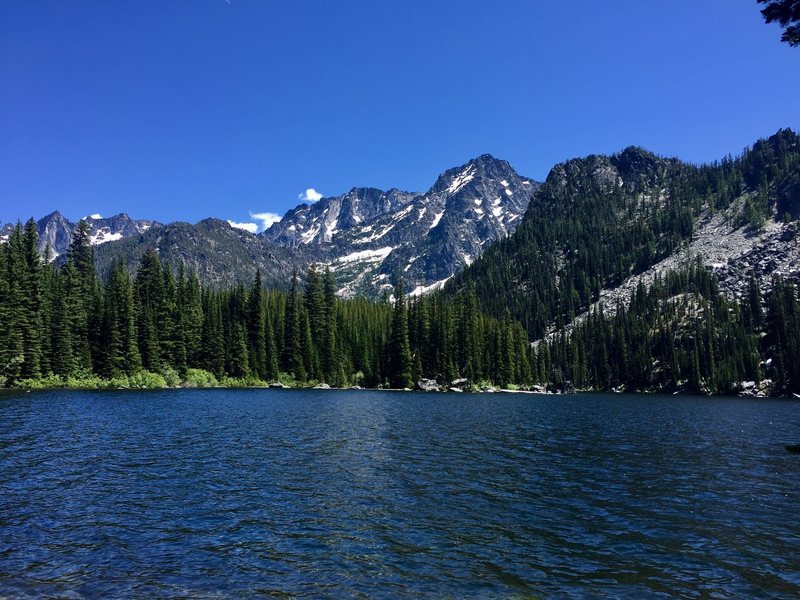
321,223
56,231
54,216
454,180
637,165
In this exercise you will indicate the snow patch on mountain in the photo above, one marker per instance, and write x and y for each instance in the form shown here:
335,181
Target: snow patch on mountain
103,236
421,290
366,255
308,236
436,219
462,179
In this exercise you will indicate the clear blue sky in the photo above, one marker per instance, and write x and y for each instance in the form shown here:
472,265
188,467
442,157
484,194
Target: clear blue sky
179,110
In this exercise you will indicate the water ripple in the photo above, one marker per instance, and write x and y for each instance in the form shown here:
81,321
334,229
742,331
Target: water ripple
217,494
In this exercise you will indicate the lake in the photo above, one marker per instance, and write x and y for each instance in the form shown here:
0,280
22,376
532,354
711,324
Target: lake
339,494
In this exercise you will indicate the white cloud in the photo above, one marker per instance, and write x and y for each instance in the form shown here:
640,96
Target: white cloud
251,227
266,218
310,195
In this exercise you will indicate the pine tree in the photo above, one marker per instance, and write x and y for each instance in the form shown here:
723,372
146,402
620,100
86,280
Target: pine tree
331,360
63,360
123,349
190,301
239,363
399,355
257,328
271,349
32,303
308,349
213,354
314,303
81,296
16,313
292,359
149,293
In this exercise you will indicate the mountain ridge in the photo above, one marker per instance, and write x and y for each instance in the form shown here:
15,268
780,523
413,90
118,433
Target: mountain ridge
368,237
371,237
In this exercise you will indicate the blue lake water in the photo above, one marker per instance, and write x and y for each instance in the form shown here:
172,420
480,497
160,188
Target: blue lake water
239,493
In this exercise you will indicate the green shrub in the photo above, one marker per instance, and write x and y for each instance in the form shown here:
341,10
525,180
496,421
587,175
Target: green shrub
146,379
121,382
287,379
241,382
198,378
171,376
41,383
85,381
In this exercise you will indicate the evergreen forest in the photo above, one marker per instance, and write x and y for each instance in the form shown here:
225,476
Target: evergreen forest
63,326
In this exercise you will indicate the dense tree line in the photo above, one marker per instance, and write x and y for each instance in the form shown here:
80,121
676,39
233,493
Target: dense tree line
65,323
66,326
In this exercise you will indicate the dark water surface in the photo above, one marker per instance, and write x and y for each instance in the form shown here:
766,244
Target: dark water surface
226,493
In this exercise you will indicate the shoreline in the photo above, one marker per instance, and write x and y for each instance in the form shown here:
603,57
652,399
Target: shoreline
449,391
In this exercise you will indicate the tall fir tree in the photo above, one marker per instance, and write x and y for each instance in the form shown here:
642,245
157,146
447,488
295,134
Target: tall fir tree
292,359
399,351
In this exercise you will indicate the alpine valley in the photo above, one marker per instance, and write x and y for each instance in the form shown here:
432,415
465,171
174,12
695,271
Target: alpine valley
628,271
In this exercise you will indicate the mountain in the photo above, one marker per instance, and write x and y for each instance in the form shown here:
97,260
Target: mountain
220,254
370,237
367,236
603,227
5,232
548,253
320,222
57,231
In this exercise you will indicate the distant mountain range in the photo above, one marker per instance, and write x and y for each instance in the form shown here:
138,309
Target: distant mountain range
598,227
368,237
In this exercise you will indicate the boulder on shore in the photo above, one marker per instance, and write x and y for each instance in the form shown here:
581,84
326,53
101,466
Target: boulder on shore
428,385
565,387
279,385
